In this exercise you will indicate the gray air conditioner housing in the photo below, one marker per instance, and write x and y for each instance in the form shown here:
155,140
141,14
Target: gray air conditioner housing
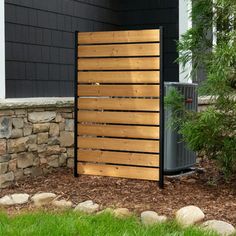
177,156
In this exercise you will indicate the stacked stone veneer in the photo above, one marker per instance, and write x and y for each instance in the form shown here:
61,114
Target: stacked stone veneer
37,135
34,138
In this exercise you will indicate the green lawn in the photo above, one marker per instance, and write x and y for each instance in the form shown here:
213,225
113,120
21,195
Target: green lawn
69,223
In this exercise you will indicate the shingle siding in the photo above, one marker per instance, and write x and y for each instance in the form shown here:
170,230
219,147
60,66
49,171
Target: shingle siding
40,38
40,42
135,14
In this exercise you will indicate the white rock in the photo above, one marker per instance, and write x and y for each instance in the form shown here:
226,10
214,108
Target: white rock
87,207
20,198
220,227
14,199
41,199
6,200
122,212
151,217
189,215
62,204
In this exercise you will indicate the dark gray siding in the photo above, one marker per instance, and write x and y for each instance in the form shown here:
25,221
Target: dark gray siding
40,38
136,14
40,42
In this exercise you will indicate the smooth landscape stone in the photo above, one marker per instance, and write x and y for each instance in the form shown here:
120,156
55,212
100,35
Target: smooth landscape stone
20,198
87,207
151,218
6,201
122,212
41,199
189,215
62,204
14,199
220,227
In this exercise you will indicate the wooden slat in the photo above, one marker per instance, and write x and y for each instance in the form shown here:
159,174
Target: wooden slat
123,131
147,63
119,90
119,144
119,171
139,118
122,158
127,104
150,49
119,77
119,36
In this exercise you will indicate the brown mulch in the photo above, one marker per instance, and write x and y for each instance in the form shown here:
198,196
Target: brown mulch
216,198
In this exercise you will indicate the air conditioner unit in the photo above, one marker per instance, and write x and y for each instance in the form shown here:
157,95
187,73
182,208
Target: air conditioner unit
177,156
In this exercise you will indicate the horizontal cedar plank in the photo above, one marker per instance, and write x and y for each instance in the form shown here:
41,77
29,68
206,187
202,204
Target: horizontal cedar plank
130,36
139,118
123,131
124,158
119,104
119,90
119,50
119,144
119,171
147,63
119,77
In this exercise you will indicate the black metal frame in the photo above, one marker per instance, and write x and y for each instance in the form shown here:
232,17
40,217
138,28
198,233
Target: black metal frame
76,107
162,118
162,112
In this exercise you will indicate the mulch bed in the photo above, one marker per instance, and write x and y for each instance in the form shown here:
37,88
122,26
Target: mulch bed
215,197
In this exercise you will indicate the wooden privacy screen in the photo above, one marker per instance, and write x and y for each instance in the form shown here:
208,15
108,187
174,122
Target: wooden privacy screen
118,104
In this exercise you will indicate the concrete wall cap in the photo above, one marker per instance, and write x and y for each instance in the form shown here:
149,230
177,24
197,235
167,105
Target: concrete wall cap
20,103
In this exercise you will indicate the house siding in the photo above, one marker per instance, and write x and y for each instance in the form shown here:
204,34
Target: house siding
40,42
40,38
136,14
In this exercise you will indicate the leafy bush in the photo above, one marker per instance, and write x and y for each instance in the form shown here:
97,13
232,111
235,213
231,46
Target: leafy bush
212,131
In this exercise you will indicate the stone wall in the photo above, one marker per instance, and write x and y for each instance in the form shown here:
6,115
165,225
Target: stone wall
35,137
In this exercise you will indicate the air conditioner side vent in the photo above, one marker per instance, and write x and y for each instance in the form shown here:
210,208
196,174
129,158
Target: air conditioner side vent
178,156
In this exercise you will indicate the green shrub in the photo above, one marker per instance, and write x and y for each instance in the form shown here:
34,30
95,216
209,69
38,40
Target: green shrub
212,131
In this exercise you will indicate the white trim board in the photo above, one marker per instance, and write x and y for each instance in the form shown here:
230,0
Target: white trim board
185,23
2,51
